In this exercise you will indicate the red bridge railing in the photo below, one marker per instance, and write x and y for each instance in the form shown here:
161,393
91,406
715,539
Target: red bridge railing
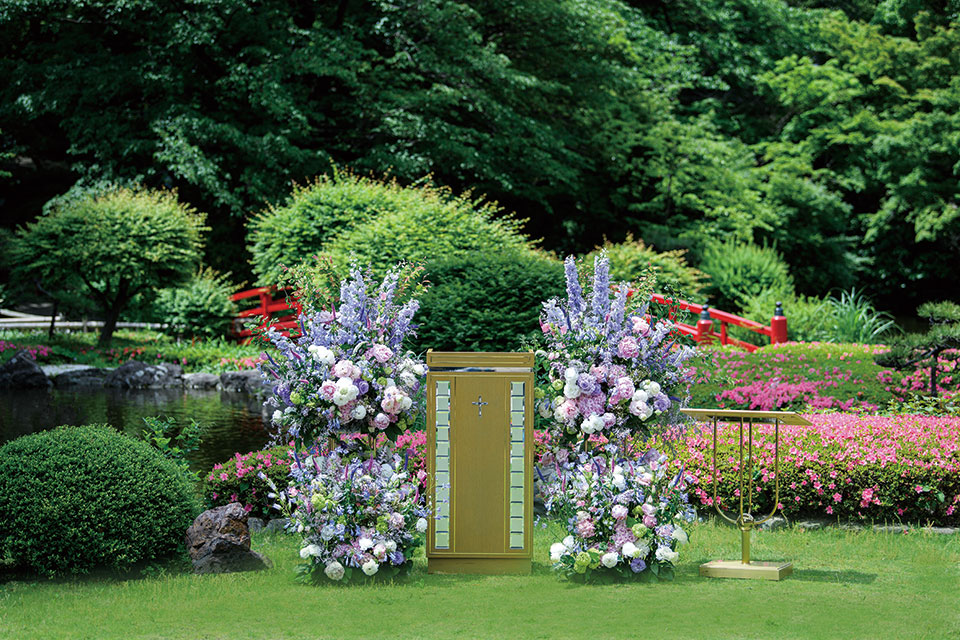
279,308
703,331
275,307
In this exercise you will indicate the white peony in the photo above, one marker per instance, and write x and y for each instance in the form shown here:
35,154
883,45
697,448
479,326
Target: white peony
365,543
310,550
422,525
609,560
334,570
680,536
370,567
653,388
571,374
321,354
557,549
419,369
630,550
666,554
640,396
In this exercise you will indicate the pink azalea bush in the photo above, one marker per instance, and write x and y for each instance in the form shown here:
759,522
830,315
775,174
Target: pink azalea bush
237,480
902,467
33,350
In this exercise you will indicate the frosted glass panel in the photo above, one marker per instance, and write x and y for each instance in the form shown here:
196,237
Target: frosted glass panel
516,434
443,419
516,524
443,387
516,388
516,403
443,540
443,449
516,494
516,541
516,509
516,450
516,418
516,478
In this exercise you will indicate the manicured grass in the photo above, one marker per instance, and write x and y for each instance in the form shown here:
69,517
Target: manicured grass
151,347
846,584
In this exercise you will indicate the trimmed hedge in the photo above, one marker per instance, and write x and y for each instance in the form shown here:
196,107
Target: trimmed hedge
78,498
486,301
631,259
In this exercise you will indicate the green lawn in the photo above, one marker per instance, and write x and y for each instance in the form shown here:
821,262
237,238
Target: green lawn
846,585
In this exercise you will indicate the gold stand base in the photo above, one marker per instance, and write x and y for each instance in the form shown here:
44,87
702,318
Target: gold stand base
488,566
754,570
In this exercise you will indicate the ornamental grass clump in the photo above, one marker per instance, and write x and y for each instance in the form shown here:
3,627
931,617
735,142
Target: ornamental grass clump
357,518
623,518
347,370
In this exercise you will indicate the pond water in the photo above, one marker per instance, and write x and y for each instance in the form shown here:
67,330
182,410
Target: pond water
233,422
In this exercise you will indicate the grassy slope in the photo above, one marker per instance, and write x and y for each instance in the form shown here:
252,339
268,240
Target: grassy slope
846,585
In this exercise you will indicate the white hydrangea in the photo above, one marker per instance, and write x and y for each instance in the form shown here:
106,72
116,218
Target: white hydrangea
680,536
666,554
310,550
334,570
630,550
422,525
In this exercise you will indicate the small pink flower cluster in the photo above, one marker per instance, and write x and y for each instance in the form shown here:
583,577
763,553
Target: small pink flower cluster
33,350
238,364
855,466
917,381
237,480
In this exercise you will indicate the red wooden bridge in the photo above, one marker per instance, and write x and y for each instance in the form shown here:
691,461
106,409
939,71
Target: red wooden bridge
279,308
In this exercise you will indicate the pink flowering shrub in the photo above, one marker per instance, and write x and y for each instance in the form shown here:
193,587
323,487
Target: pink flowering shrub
902,467
237,480
904,384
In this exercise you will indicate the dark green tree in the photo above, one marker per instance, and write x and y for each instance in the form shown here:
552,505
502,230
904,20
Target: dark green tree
917,348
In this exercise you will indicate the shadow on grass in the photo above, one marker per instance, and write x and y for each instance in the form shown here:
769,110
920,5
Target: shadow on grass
836,577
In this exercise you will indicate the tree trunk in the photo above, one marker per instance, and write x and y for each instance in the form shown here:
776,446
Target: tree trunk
53,318
933,374
109,326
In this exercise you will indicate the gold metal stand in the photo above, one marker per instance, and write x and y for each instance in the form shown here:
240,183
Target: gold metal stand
745,568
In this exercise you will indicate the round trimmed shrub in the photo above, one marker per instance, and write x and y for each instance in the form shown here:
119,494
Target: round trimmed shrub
199,308
740,272
488,301
630,259
79,498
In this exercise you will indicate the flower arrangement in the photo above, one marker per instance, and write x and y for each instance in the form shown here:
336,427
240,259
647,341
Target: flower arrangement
356,517
609,370
346,371
622,519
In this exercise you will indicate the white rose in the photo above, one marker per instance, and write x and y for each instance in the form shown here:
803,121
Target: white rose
419,369
653,388
571,390
359,412
571,374
619,481
557,549
422,525
568,542
680,536
391,546
406,403
334,570
609,560
630,550
665,554
370,567
365,543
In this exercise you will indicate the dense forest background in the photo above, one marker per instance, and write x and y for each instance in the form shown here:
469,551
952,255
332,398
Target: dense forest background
827,128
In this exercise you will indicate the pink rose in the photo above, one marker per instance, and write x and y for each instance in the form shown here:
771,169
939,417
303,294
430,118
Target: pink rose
599,372
381,421
628,347
327,389
381,353
343,369
567,410
640,326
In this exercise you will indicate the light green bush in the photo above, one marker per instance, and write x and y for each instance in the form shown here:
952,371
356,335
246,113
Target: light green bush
630,259
740,272
201,307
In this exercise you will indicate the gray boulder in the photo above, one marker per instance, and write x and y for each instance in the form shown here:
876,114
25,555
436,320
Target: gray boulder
138,375
219,542
87,377
22,372
201,380
246,381
277,525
